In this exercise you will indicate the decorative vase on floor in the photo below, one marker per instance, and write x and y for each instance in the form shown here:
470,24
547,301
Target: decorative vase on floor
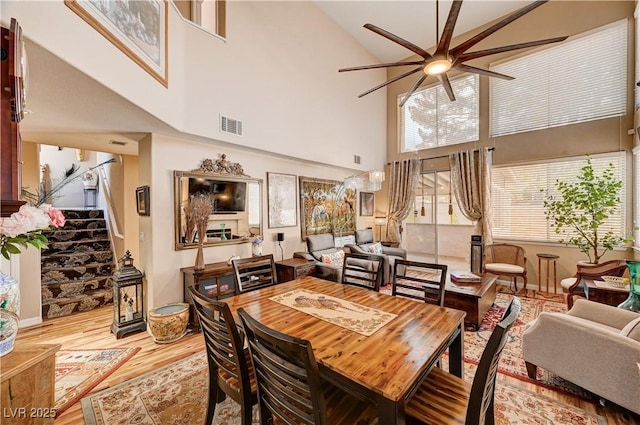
9,312
633,301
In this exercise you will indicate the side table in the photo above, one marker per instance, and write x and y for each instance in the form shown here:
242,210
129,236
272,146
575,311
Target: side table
294,268
548,258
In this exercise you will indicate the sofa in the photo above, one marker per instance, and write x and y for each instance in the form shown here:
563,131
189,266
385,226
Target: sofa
593,345
365,244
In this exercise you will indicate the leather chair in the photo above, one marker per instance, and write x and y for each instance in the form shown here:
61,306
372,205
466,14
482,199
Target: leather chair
365,239
574,286
593,345
504,259
317,246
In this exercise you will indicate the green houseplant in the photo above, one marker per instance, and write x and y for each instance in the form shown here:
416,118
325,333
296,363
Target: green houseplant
582,207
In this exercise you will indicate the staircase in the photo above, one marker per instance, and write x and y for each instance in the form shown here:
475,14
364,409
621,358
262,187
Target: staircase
77,267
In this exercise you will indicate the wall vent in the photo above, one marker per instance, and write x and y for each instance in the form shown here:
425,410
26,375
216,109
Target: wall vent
229,125
117,142
357,159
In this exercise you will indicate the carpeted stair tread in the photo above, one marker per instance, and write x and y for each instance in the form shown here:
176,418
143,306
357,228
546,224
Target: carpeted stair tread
77,267
65,306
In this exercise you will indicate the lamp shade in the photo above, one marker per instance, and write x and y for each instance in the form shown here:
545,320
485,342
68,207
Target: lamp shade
380,221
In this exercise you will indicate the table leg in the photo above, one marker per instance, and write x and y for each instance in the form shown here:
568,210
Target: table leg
555,278
547,277
540,273
456,354
390,412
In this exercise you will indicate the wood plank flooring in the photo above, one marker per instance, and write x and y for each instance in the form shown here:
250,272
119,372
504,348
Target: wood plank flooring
91,330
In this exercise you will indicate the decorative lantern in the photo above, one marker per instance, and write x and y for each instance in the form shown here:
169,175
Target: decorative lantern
128,298
476,254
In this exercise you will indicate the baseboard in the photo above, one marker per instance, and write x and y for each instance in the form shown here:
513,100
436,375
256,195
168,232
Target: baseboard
32,321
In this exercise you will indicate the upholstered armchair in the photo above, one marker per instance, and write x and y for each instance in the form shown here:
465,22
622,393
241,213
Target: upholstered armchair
593,345
318,245
364,245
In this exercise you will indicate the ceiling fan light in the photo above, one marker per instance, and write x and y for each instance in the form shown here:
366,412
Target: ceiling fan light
437,66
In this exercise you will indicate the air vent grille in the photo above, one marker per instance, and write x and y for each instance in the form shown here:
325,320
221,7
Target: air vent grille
357,159
117,142
229,125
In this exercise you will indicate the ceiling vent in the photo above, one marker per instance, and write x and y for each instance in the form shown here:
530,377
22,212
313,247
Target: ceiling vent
231,126
357,159
117,142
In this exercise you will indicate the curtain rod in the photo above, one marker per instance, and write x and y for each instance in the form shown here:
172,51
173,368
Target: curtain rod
446,156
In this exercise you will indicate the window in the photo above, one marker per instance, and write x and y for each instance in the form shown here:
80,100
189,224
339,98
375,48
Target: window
580,80
518,194
432,199
429,119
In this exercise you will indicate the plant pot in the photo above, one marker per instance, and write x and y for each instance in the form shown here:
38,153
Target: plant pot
8,331
168,323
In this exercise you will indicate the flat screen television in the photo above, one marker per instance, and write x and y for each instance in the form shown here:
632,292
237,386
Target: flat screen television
230,196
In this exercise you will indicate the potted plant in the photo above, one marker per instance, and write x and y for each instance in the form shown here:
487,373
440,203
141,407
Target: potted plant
582,207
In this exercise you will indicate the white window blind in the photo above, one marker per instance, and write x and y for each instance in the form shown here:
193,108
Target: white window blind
582,79
430,119
518,194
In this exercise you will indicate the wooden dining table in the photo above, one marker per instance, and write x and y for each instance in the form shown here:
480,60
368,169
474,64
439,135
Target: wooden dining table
384,368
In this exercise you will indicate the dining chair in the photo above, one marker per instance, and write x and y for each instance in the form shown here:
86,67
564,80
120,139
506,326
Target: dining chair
421,281
230,368
363,270
505,259
574,286
290,389
254,272
445,399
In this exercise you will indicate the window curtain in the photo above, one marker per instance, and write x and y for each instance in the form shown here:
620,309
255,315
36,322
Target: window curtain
402,185
471,181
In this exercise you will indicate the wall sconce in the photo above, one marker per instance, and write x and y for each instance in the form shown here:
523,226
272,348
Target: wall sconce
80,155
128,299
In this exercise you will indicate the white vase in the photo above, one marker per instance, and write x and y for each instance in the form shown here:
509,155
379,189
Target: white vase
256,249
9,312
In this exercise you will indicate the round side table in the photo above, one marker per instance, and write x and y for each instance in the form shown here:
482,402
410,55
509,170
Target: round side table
548,258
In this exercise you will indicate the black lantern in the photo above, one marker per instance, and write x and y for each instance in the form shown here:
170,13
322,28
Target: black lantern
476,254
128,300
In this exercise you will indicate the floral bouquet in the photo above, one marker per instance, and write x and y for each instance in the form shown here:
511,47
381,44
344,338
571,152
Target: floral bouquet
25,228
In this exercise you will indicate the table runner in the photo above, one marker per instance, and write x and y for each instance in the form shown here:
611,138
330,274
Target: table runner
351,316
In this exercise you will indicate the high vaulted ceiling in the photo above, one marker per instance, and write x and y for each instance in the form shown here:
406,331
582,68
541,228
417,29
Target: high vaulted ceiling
412,20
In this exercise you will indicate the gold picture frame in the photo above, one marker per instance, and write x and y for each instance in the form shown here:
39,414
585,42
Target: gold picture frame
145,43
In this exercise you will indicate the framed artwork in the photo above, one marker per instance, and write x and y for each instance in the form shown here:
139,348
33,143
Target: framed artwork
137,27
282,200
366,203
326,206
142,200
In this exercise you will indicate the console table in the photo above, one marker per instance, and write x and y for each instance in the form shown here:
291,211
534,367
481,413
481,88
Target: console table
474,298
294,268
216,280
27,394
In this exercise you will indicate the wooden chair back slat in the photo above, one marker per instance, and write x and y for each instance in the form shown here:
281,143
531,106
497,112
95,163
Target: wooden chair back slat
254,273
422,281
363,270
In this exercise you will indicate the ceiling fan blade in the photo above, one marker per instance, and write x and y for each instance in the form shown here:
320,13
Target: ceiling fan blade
474,70
413,89
447,32
456,51
393,80
480,53
401,41
381,65
446,84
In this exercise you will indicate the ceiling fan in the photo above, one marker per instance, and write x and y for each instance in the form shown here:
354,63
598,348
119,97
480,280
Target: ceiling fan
444,58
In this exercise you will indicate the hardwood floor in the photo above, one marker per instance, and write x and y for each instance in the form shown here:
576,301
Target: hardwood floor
91,330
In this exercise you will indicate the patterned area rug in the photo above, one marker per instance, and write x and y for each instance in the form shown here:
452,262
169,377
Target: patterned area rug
352,316
79,371
177,394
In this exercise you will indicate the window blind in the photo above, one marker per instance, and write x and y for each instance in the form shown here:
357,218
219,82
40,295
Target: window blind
430,119
582,79
518,194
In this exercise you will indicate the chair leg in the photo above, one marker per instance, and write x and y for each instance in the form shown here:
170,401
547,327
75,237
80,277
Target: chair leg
247,413
214,394
532,370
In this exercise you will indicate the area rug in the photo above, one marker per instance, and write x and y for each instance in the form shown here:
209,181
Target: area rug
177,394
354,317
79,371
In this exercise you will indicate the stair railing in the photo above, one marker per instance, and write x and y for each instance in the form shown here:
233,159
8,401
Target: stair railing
112,223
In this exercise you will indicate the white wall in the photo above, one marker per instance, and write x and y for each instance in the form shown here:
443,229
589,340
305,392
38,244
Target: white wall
277,71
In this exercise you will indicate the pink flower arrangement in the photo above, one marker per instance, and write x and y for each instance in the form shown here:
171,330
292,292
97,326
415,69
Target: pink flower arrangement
25,228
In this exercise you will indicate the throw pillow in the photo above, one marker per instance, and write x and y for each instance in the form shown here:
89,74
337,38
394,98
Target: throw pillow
632,329
375,248
335,258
